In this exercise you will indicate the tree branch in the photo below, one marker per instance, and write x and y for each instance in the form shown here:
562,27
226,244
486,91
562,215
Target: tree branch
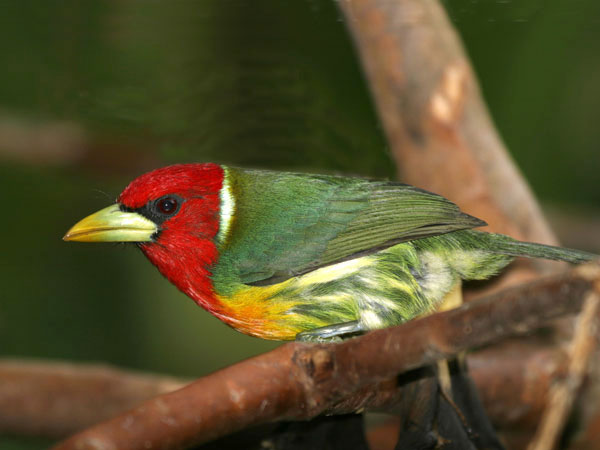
301,381
57,399
563,394
53,399
436,122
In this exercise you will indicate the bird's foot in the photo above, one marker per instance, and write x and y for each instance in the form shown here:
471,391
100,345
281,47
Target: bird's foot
331,333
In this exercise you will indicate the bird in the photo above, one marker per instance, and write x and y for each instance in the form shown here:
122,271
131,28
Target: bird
318,258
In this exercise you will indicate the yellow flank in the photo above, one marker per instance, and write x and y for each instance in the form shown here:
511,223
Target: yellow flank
268,311
453,299
354,290
334,272
400,285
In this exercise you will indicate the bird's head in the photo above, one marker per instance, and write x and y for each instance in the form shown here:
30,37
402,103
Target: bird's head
172,214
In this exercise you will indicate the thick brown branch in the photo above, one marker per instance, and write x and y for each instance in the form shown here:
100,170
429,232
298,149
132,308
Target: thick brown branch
49,398
300,381
436,122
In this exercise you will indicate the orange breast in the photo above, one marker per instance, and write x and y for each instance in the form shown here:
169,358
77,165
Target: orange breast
260,312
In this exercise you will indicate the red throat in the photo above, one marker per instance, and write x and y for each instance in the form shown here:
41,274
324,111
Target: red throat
184,249
187,266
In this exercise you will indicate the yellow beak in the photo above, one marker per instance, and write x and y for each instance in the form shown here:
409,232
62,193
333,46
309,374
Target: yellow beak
112,225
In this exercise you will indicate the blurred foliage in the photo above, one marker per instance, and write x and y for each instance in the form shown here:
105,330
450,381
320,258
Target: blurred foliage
257,82
248,82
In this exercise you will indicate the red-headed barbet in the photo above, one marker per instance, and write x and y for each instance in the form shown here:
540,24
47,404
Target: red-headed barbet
288,255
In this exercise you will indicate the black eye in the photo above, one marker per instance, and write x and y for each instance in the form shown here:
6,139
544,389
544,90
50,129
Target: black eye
167,205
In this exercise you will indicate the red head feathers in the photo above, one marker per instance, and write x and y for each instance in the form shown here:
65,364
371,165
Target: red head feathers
183,201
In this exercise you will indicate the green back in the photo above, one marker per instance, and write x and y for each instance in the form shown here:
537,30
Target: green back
286,224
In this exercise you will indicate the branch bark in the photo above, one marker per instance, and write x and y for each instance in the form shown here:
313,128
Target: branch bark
563,394
58,399
301,381
53,399
436,122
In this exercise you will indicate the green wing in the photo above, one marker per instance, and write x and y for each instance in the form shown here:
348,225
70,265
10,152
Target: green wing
286,224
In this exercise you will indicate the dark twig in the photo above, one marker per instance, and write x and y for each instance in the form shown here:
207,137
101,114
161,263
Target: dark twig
562,394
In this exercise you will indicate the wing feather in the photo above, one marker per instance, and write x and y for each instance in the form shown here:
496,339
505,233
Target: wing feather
287,224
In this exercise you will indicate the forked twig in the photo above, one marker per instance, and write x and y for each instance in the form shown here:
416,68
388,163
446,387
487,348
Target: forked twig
563,393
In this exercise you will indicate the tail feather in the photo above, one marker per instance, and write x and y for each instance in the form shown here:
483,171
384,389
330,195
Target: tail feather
508,246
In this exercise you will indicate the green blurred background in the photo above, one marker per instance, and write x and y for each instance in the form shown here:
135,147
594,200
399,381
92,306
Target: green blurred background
93,93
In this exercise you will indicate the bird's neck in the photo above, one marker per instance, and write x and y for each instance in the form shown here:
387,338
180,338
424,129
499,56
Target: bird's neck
187,266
